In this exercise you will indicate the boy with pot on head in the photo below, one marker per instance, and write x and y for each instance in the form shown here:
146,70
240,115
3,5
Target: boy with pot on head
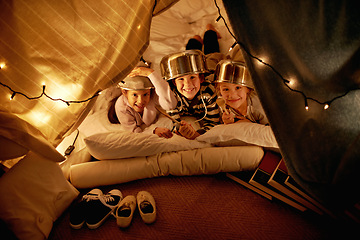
141,91
185,71
237,97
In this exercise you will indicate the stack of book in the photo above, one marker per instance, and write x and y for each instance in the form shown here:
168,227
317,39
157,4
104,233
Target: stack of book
272,180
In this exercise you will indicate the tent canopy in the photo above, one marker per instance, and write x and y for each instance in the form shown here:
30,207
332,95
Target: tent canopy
55,57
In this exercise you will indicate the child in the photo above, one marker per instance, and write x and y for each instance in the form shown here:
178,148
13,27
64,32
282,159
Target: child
141,91
185,72
235,87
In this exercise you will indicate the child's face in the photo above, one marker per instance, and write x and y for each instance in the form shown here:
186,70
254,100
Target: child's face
234,95
138,99
188,85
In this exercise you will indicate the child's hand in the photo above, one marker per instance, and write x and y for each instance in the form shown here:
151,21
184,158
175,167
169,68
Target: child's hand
163,132
187,131
227,117
141,71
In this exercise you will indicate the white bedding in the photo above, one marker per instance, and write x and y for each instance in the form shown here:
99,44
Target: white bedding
126,156
192,162
143,155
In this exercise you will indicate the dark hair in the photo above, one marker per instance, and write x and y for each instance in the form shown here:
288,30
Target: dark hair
111,112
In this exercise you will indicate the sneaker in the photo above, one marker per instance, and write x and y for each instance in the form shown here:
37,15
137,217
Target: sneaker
78,211
146,206
124,213
100,209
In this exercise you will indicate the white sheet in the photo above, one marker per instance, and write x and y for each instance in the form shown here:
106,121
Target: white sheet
171,30
191,162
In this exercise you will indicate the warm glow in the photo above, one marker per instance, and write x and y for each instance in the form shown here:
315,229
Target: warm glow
2,65
68,91
326,106
12,96
138,27
39,118
292,82
262,60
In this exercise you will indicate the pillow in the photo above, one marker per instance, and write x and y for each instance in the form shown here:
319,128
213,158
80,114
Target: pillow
98,122
10,149
121,144
33,194
18,136
238,134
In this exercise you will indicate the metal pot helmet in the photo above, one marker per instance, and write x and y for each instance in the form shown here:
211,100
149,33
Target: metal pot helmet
182,63
233,72
136,83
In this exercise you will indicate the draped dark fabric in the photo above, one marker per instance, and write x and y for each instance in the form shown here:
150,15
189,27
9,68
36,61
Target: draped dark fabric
315,45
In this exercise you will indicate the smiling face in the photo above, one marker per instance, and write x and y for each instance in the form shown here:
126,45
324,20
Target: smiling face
138,99
235,95
188,85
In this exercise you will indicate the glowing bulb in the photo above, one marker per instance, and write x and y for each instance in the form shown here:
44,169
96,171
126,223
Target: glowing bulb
326,106
138,27
2,65
307,108
261,61
12,96
291,82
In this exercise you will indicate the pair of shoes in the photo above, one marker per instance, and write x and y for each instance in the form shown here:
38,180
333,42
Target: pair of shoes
94,208
146,206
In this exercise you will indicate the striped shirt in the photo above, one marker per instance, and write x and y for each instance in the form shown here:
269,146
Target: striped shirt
203,107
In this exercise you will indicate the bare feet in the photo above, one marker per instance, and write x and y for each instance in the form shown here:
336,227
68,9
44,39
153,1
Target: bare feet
211,27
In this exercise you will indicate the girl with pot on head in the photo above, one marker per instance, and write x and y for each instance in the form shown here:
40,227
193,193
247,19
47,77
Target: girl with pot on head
142,90
237,97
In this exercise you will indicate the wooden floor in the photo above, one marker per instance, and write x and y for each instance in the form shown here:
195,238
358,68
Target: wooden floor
209,207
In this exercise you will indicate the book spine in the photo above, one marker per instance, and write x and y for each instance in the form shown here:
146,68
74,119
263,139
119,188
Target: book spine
249,186
292,184
260,180
277,180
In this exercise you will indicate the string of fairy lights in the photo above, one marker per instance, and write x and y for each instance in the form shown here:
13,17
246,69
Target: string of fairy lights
43,93
326,104
286,82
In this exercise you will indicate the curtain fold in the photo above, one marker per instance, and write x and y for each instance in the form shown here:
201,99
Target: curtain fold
67,50
304,60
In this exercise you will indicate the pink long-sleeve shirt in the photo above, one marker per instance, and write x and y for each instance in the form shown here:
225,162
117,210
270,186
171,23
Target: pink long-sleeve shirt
132,120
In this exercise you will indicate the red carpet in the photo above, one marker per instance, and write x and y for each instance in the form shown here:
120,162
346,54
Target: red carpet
208,207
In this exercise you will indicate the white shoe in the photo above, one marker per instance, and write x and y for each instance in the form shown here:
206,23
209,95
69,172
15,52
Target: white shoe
146,206
124,213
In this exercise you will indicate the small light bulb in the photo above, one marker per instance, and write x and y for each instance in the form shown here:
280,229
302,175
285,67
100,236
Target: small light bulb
12,96
292,82
326,106
2,65
307,108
